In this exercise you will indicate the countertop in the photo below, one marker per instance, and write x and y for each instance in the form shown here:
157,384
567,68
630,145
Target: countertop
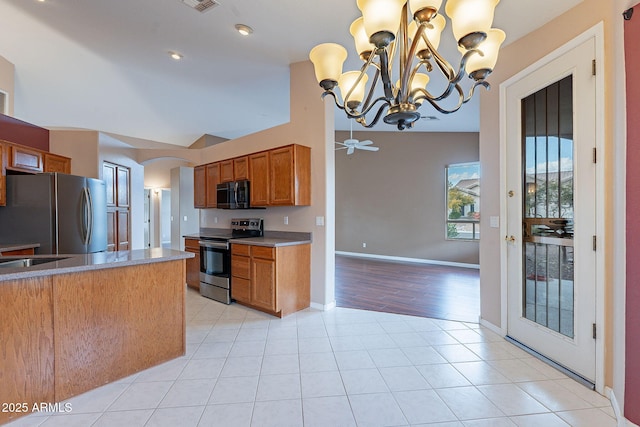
6,247
270,238
75,263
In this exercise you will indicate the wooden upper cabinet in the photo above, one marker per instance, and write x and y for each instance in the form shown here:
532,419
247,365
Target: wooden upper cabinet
56,163
241,168
25,159
290,176
200,187
213,179
226,171
279,177
259,172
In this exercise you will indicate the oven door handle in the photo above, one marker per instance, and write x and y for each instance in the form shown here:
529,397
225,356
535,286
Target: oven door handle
217,245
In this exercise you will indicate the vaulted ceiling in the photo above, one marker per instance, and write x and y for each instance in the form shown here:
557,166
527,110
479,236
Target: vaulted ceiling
104,65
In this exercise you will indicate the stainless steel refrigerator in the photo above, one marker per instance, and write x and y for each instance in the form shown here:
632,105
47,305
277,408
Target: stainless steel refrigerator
66,214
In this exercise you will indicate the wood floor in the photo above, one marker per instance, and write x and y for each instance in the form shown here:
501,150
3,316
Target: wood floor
441,292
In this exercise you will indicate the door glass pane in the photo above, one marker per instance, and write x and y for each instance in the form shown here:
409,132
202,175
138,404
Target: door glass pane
547,147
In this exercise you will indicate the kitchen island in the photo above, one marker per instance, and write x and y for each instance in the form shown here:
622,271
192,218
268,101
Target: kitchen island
77,322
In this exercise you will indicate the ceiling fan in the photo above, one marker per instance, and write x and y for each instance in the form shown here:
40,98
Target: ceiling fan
351,144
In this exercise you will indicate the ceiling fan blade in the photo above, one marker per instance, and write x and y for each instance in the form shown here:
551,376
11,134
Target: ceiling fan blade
341,148
368,148
350,150
341,143
365,142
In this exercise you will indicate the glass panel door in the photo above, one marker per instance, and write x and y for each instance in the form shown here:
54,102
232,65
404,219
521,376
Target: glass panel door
547,223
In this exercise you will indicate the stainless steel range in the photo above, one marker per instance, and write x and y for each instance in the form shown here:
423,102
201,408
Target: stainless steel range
215,257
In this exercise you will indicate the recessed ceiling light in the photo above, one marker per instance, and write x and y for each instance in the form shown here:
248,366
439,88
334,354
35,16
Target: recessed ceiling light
175,55
245,30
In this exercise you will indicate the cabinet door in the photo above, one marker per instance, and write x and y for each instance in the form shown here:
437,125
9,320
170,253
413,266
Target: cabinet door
213,179
259,172
24,159
263,283
241,289
281,177
55,163
241,168
193,264
226,171
199,187
123,187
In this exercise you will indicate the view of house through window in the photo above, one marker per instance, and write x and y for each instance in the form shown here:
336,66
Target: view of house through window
463,201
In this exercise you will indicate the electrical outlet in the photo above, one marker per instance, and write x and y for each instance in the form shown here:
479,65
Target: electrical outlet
286,220
364,245
215,219
185,218
320,221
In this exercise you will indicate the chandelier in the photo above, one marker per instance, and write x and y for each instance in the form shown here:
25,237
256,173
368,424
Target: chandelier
384,30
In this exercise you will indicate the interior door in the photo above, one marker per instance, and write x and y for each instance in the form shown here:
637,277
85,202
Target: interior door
551,210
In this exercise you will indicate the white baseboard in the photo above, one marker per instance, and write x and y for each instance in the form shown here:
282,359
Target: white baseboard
405,259
493,328
323,307
622,421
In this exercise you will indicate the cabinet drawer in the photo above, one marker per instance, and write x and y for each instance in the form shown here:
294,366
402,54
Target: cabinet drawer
25,159
237,249
191,245
263,252
240,267
240,289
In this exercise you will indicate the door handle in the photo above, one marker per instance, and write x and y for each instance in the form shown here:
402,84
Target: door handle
510,239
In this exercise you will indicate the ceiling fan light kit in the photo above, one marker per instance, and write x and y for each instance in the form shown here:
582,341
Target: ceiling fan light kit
386,33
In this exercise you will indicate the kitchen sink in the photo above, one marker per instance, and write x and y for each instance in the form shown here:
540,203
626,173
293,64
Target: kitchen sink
27,262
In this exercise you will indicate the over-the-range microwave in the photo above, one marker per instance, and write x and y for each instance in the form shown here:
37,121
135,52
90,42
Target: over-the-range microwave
233,195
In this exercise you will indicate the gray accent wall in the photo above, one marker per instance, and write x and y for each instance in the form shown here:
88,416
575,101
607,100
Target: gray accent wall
394,199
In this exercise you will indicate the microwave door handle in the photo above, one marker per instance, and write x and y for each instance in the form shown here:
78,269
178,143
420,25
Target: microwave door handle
235,192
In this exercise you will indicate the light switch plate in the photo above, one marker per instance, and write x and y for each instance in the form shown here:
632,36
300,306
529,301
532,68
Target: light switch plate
494,221
320,221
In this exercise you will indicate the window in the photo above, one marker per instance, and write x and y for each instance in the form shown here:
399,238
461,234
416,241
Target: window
463,201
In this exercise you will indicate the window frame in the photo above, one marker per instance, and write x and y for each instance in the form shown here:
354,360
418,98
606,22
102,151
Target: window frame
475,223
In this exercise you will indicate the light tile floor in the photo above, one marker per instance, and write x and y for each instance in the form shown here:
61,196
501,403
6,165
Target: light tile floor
343,367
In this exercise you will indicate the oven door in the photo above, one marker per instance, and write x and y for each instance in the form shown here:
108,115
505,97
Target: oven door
215,263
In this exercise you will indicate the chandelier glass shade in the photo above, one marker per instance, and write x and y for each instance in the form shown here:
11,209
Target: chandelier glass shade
404,36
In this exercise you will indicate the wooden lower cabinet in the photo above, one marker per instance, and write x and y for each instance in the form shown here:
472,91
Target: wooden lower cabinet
275,280
29,251
193,264
27,359
65,334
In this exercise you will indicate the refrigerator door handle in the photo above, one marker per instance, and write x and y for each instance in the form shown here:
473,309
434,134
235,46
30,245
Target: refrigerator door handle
85,216
89,215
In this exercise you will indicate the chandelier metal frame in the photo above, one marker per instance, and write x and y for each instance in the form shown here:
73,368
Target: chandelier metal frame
402,102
